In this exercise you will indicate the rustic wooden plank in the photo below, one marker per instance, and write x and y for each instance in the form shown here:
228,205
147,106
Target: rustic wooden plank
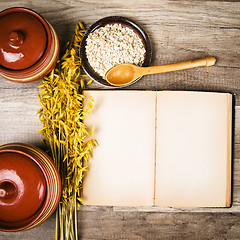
108,224
198,31
44,231
237,129
19,120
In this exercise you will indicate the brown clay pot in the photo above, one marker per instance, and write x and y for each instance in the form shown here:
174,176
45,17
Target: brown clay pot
29,46
30,187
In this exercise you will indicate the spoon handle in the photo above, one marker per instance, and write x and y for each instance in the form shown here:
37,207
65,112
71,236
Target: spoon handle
207,61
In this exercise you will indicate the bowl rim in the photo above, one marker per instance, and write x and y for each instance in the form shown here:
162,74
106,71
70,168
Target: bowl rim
112,20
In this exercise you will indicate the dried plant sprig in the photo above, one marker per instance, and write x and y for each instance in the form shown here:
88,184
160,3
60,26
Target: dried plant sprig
61,114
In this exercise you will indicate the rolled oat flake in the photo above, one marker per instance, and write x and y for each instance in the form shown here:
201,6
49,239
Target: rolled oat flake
112,45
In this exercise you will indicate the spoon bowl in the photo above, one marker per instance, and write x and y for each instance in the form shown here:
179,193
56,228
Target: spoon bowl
124,74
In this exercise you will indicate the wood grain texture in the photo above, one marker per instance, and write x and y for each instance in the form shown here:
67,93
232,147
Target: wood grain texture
122,225
179,31
105,223
46,231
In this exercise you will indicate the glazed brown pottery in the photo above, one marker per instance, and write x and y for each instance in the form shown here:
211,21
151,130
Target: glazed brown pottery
30,187
29,46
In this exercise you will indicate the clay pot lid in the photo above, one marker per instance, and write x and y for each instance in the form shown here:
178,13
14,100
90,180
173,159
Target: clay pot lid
23,38
22,187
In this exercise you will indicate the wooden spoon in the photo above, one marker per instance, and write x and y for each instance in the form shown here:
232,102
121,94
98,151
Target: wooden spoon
124,74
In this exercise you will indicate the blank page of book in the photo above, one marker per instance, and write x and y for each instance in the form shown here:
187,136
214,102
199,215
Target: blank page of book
121,172
193,156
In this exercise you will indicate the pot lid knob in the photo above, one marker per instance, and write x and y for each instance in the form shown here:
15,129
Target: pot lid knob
23,39
8,191
16,38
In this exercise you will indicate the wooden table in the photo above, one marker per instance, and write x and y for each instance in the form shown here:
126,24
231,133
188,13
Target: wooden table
178,30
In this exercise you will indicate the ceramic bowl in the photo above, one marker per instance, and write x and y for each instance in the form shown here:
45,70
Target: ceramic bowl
125,22
29,46
30,187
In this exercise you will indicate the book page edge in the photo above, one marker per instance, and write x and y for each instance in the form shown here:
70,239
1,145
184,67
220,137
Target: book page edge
230,107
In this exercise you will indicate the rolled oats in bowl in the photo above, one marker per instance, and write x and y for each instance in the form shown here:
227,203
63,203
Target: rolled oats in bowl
112,41
112,45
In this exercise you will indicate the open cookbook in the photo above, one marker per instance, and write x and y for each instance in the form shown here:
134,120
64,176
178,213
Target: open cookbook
160,148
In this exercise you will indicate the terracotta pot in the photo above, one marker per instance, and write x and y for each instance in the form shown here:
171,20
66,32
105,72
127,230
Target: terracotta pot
29,46
30,187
